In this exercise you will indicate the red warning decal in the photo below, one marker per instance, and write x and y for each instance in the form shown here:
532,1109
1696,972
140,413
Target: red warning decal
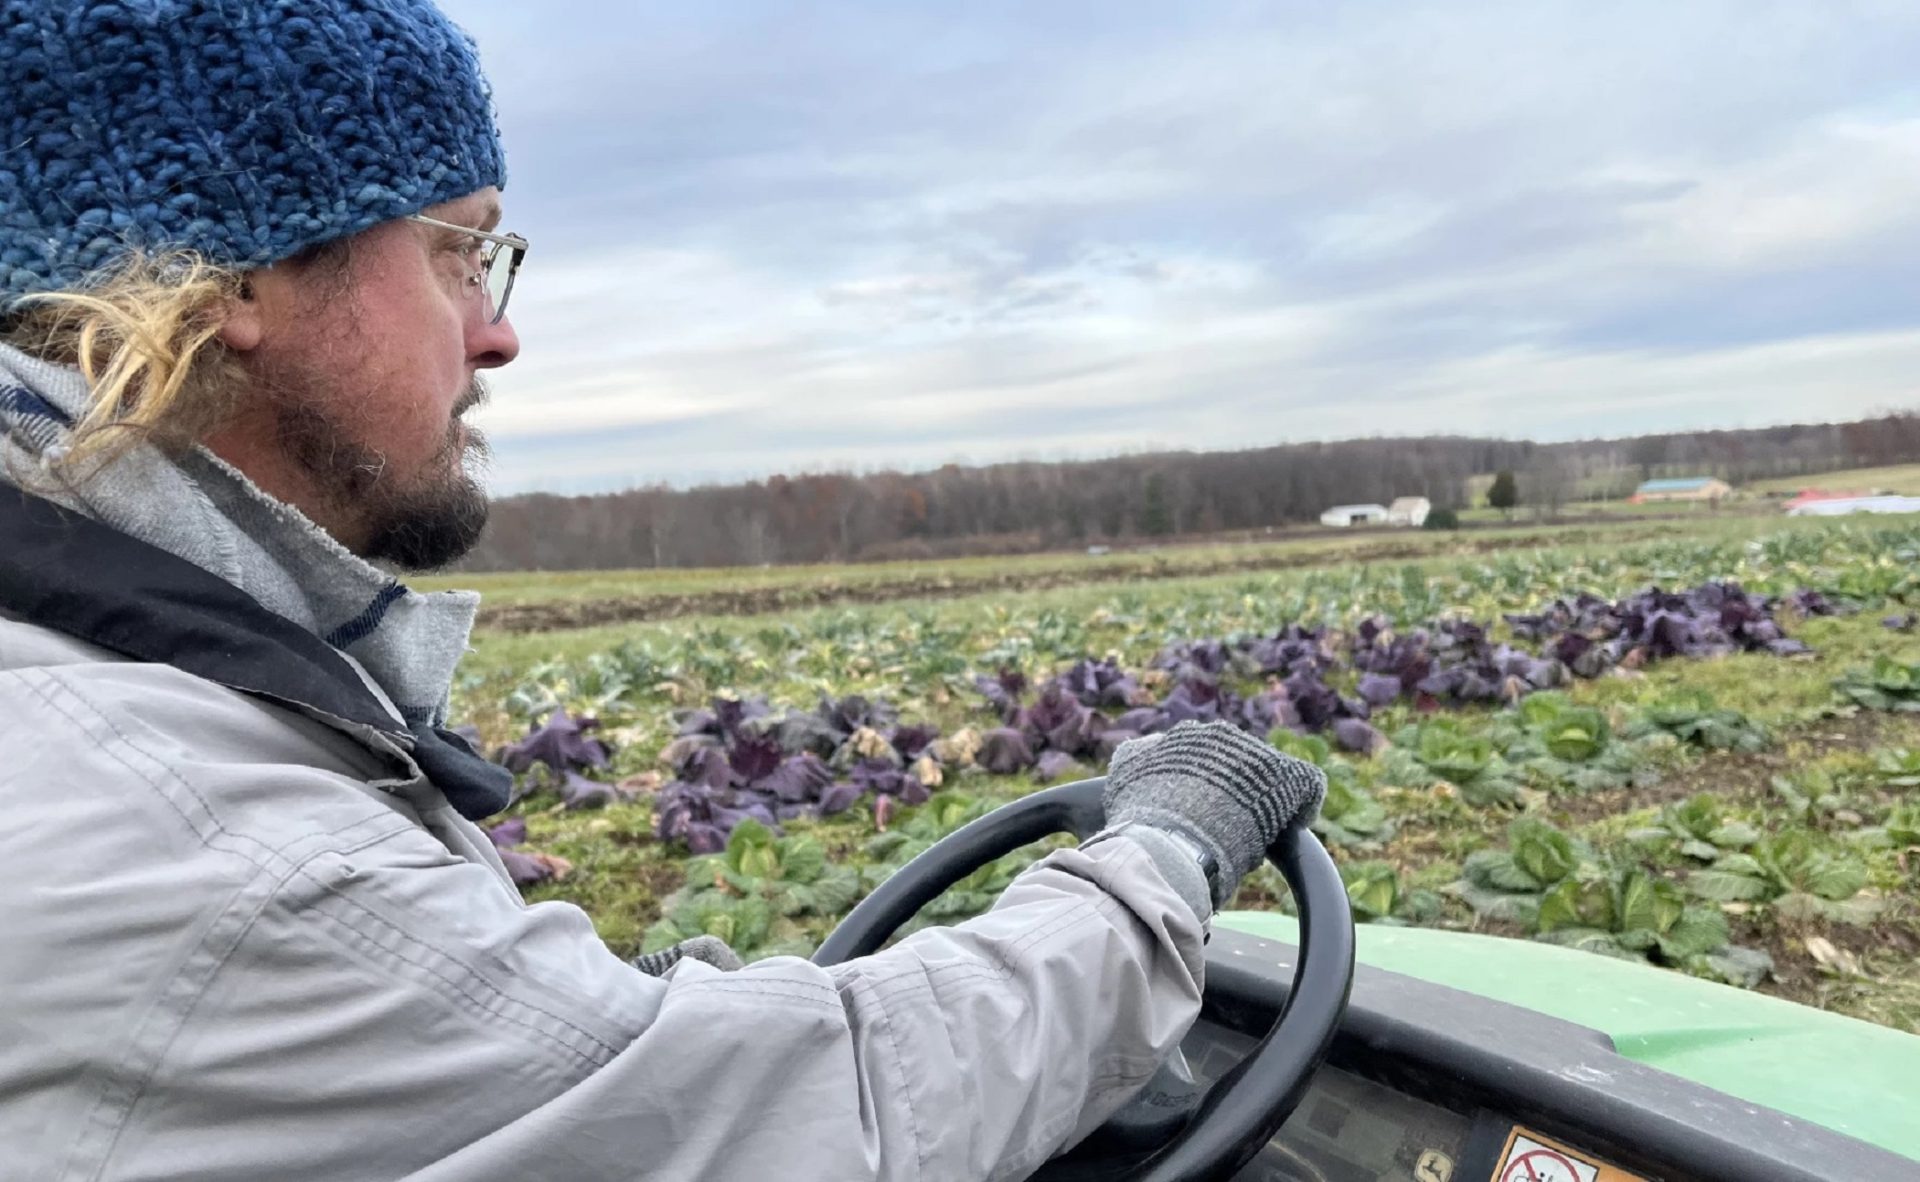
1531,1158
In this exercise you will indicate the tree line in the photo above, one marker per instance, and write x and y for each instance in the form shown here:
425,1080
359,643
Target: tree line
1028,506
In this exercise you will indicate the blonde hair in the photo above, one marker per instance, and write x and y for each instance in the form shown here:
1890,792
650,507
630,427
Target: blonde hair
146,338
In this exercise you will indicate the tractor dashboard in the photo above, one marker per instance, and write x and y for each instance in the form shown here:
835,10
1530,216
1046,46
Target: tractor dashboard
1426,1083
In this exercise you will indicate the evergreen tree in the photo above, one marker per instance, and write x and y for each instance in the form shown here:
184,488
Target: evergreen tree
1504,494
1156,519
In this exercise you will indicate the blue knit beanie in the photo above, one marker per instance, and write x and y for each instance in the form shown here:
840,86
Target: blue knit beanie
246,130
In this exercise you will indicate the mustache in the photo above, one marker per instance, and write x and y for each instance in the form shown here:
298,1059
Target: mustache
477,394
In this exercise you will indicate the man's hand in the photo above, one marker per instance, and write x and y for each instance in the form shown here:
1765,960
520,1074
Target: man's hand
1215,786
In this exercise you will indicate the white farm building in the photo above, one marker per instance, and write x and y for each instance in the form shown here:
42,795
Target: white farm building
1346,515
1409,511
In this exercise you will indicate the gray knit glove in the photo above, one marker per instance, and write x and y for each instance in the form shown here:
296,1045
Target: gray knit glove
708,949
1215,785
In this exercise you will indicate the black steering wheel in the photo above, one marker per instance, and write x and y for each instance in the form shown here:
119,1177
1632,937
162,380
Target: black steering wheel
1222,1128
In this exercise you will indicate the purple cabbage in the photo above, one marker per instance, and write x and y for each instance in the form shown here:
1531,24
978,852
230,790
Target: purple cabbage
525,866
1052,765
1102,683
1380,689
837,798
1357,735
732,761
910,741
1004,750
1062,721
798,779
884,779
561,743
578,792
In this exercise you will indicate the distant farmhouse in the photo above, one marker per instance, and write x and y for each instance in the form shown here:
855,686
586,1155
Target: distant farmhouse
1693,488
1409,511
1346,515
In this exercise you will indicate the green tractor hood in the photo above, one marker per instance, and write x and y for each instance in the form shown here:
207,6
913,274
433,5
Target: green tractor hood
1850,1076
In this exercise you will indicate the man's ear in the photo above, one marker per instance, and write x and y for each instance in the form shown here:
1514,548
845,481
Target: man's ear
244,325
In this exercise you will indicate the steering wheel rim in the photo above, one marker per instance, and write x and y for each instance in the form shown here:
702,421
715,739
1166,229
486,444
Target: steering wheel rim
1244,1108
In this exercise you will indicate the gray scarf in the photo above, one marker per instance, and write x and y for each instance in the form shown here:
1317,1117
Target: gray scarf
204,510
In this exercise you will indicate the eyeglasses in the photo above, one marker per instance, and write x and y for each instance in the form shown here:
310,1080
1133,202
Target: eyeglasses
494,279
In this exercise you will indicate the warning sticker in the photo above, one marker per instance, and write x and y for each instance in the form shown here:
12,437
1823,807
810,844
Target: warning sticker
1530,1157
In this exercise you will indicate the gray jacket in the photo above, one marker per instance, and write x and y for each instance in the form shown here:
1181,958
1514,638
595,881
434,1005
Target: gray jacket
246,937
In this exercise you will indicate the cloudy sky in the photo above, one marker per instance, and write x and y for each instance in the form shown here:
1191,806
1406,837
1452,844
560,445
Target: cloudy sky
782,237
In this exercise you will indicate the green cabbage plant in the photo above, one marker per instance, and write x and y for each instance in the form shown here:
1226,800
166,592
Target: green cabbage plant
1797,876
1378,894
1443,750
1888,684
1695,719
1898,768
1509,884
1700,828
1628,912
1573,734
755,893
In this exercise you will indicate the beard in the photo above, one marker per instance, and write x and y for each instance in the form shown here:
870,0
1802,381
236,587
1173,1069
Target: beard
417,521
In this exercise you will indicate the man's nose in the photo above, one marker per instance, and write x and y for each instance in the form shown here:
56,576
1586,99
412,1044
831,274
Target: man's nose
491,346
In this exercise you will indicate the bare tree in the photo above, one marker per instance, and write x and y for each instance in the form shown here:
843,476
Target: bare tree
1549,484
838,517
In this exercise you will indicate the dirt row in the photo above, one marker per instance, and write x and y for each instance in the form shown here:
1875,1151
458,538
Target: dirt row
747,601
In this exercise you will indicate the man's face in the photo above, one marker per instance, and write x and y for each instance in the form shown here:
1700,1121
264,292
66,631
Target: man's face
364,361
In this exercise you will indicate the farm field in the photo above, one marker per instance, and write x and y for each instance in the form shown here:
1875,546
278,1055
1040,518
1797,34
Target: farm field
541,601
1662,778
1596,512
1901,478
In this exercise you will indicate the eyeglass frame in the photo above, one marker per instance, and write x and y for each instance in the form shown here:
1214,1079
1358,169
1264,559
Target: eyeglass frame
513,242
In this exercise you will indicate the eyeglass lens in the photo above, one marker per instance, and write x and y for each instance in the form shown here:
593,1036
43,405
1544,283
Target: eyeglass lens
499,271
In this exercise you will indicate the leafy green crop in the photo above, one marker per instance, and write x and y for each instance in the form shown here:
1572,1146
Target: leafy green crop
1695,718
1628,912
1312,748
749,894
1700,828
1444,749
1902,826
941,815
1799,877
1562,892
944,813
1812,796
1888,684
1379,894
1898,768
1854,812
1348,816
1448,751
1573,734
1509,884
1560,746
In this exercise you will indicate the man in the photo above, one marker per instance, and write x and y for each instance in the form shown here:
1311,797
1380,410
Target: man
249,276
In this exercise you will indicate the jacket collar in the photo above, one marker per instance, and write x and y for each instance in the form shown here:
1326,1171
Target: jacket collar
196,506
70,574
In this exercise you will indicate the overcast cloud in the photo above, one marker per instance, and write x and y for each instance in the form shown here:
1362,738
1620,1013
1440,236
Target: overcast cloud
776,237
